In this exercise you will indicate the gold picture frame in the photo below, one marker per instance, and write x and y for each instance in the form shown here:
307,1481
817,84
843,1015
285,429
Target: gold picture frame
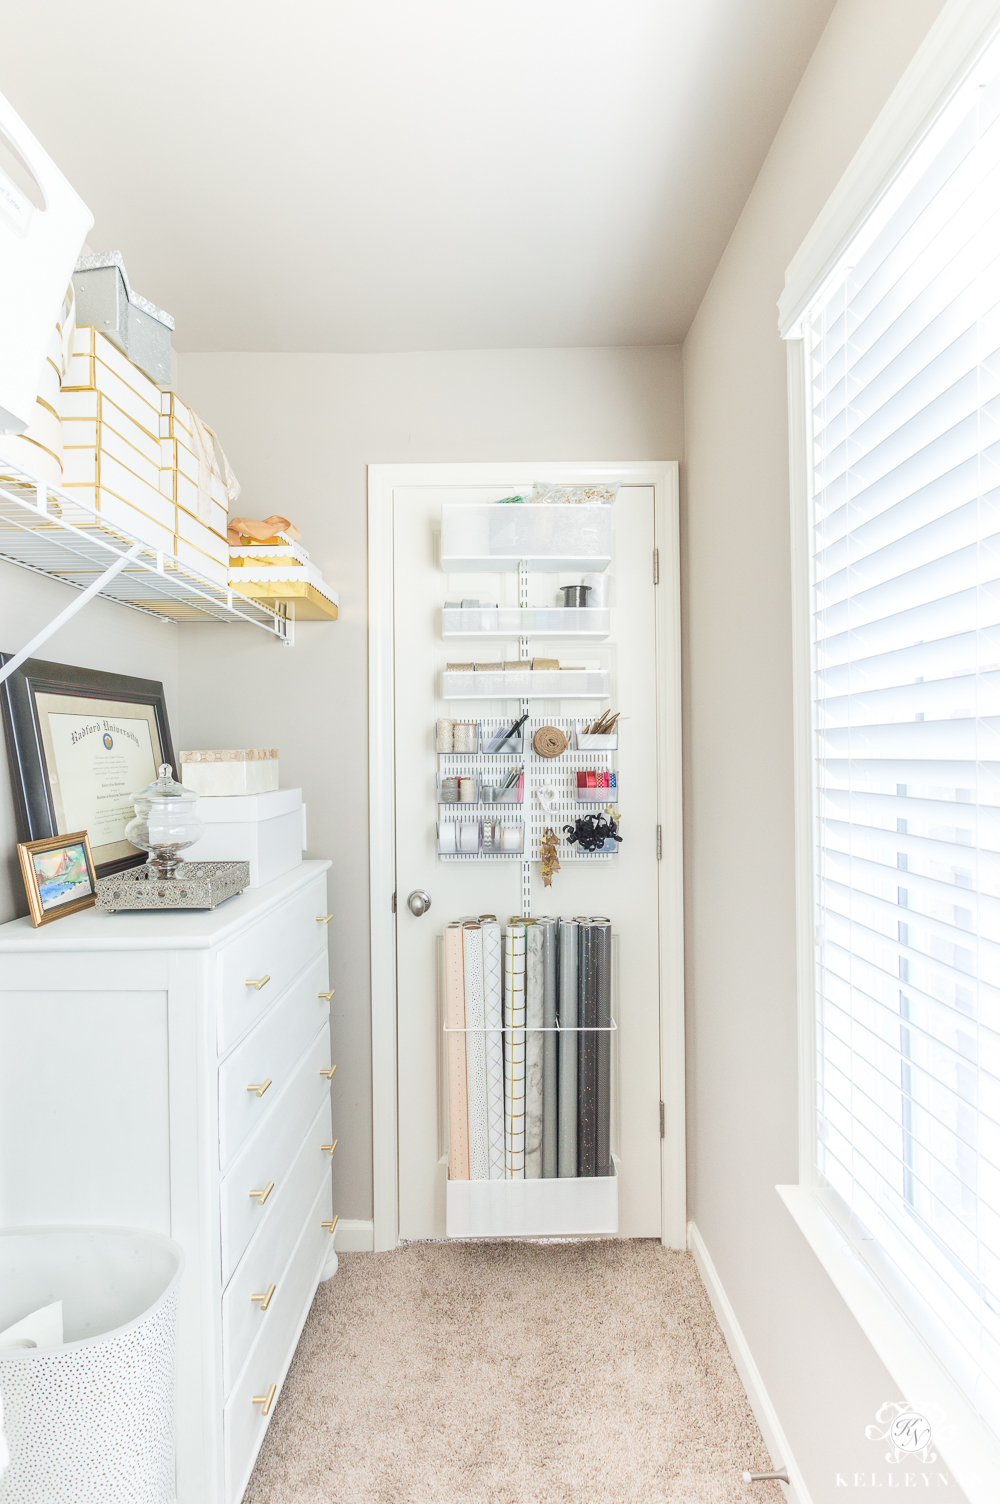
59,876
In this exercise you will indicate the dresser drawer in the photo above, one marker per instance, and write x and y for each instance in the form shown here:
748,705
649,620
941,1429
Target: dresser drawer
243,1423
254,1076
243,1318
276,947
268,1154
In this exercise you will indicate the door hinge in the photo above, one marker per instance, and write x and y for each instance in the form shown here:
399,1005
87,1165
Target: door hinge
659,843
663,1120
656,566
394,903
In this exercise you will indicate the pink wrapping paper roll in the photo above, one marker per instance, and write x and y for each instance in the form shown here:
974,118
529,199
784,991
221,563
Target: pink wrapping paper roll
458,1093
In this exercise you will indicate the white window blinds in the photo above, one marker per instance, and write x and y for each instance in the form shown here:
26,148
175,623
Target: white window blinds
903,361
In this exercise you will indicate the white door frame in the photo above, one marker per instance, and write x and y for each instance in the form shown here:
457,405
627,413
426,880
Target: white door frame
662,476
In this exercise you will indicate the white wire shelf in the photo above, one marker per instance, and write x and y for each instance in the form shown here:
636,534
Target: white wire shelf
46,530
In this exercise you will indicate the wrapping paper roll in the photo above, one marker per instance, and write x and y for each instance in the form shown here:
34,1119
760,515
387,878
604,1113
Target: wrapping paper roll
550,1049
493,993
534,1003
458,1108
601,931
587,1054
569,941
475,1051
513,983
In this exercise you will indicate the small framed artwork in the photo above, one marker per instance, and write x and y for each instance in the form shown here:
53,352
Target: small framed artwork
80,743
59,876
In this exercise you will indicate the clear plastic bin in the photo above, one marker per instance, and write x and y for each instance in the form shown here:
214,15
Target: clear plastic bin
551,684
490,537
459,837
597,796
513,621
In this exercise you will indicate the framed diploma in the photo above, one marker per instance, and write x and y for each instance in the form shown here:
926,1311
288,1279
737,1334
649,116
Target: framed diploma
80,743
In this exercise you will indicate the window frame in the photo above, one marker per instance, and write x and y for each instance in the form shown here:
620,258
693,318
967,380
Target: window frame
865,1280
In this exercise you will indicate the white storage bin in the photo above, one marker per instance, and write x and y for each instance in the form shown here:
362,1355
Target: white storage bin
549,684
90,1421
38,251
562,1207
514,621
490,537
266,830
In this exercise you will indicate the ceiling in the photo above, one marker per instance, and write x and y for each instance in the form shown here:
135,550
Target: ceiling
412,174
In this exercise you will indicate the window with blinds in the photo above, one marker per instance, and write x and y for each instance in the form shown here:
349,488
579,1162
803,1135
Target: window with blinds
903,369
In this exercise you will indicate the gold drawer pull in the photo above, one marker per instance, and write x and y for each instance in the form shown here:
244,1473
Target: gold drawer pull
329,1148
262,1197
329,1074
265,1301
331,1225
326,996
323,918
265,1399
258,982
261,1088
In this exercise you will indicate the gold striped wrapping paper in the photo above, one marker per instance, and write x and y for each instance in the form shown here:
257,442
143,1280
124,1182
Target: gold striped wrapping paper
458,1112
514,1048
534,994
493,990
475,1051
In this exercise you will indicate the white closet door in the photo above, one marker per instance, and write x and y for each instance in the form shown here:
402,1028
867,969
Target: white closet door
624,888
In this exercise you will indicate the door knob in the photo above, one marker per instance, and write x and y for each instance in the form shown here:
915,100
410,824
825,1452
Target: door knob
418,902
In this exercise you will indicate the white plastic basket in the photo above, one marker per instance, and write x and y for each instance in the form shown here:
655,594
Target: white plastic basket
92,1421
38,251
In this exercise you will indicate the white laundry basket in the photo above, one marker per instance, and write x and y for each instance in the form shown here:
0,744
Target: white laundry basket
91,1422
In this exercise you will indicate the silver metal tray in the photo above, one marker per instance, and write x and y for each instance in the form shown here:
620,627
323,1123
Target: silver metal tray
197,885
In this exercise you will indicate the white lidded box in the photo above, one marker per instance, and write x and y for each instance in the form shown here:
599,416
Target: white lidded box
227,774
266,830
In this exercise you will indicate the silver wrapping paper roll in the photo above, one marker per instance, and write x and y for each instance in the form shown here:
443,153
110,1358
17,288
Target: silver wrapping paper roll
513,1017
586,1142
493,997
550,1048
601,931
569,940
534,1002
475,1050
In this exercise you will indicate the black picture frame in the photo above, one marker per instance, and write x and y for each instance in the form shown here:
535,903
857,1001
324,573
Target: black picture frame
33,800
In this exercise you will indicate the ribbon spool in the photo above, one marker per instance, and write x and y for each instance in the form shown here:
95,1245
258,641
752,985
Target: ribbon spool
549,741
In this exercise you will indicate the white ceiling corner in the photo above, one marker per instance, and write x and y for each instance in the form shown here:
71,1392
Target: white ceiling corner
452,174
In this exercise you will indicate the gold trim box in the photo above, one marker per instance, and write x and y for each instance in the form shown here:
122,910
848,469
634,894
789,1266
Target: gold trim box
303,601
98,365
85,406
253,770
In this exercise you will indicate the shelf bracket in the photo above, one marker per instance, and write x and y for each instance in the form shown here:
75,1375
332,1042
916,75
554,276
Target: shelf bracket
74,606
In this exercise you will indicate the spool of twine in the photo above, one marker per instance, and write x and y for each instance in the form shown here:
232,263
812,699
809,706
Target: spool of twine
549,741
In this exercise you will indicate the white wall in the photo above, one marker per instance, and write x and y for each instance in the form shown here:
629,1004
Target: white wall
102,636
821,1373
300,431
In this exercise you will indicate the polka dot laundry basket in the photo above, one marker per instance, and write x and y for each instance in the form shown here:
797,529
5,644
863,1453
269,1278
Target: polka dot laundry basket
90,1421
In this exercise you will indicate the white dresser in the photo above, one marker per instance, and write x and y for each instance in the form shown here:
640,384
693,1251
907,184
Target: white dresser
172,1071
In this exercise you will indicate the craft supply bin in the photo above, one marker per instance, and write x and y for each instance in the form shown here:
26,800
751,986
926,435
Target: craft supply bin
517,684
491,537
525,621
91,1421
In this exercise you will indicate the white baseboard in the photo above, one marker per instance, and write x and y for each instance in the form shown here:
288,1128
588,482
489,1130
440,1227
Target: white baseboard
355,1236
760,1401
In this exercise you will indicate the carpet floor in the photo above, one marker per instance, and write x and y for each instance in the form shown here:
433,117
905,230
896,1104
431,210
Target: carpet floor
512,1373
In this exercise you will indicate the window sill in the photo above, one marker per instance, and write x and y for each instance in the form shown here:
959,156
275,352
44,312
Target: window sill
971,1451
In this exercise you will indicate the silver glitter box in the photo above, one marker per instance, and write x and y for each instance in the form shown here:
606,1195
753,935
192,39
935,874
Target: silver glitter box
198,885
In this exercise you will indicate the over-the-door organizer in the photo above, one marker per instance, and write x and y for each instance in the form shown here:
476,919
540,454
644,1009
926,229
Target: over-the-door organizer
528,1027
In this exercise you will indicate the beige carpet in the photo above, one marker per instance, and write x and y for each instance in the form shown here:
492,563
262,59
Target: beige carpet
512,1373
